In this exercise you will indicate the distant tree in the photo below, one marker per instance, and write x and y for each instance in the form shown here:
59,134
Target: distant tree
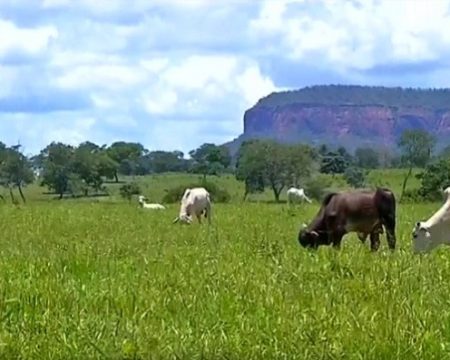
15,170
416,147
250,166
125,155
165,161
210,159
56,160
367,158
355,177
333,163
267,163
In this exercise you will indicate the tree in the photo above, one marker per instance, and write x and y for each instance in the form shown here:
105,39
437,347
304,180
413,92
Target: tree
333,163
130,189
267,163
416,147
15,170
210,159
355,177
164,161
125,155
56,160
367,158
250,167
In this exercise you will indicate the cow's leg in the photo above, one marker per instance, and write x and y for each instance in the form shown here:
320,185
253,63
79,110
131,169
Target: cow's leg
336,239
389,224
199,217
374,241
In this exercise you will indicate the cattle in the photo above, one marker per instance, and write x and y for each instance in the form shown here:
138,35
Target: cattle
146,205
362,211
294,194
427,235
195,201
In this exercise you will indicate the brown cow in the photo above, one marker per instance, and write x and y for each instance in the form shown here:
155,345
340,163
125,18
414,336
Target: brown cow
362,211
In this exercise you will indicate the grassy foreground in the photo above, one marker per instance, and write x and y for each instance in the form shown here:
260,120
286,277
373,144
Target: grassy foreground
111,281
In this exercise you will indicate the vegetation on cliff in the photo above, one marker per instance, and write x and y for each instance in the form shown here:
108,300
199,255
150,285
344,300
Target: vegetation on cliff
360,95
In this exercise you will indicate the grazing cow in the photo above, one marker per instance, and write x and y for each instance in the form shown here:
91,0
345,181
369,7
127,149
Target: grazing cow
429,234
146,205
360,211
294,194
195,201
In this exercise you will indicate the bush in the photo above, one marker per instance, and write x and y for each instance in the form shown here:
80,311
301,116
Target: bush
128,190
355,177
317,186
434,179
412,196
218,195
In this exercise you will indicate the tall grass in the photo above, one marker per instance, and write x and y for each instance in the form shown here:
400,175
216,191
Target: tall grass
112,281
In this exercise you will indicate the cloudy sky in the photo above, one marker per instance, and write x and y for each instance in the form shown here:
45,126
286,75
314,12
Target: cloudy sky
139,70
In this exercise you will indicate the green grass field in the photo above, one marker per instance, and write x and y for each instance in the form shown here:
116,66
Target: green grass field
107,280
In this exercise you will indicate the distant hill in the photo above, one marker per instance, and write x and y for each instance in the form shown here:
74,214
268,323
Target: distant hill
348,115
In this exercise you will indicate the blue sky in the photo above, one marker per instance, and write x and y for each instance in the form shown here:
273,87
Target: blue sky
175,74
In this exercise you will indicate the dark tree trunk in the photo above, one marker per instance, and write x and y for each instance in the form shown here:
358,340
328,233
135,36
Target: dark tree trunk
13,199
405,182
116,177
21,193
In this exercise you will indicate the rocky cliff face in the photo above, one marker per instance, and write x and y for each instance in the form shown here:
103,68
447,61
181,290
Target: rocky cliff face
351,126
349,116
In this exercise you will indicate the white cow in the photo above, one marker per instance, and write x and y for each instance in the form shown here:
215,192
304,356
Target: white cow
429,234
295,194
146,205
195,201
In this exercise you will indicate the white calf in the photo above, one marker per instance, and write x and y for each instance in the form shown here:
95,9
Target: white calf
429,234
195,201
146,205
295,194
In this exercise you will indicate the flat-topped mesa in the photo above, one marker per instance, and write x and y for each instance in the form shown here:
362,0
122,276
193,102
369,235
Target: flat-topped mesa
352,116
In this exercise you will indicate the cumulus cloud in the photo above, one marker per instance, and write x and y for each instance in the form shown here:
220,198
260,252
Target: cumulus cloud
107,70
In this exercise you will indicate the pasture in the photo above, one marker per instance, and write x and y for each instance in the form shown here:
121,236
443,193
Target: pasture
107,280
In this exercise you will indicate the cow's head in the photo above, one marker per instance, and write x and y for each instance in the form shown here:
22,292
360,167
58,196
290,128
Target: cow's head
421,238
183,219
308,238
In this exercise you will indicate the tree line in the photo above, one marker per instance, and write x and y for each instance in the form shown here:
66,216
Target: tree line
83,170
360,95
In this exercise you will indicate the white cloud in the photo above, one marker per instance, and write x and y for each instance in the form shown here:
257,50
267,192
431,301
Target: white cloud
30,41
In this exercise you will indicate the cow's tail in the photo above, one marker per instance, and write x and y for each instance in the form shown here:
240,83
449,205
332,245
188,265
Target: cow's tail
386,204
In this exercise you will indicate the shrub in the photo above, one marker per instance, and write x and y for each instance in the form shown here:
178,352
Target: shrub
128,190
317,186
218,195
434,179
355,177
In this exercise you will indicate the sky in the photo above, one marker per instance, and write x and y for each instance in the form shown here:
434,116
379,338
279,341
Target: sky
173,74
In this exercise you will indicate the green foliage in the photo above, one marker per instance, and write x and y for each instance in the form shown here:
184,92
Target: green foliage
210,159
416,146
263,163
355,177
126,156
218,194
317,186
128,190
334,162
434,179
435,99
367,158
